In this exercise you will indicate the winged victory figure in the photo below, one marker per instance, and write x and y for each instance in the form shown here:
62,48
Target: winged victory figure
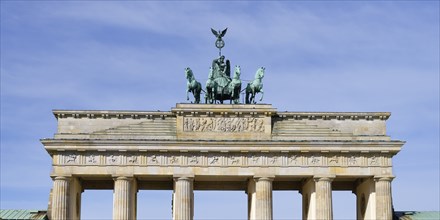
219,34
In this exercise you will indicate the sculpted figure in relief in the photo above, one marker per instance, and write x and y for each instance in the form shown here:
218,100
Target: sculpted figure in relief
374,161
208,124
92,159
71,158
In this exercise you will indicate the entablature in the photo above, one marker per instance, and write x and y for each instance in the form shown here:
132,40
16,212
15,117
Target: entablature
392,147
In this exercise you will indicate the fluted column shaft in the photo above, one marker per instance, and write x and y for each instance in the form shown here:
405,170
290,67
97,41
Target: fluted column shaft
122,205
324,209
183,198
60,198
263,198
383,198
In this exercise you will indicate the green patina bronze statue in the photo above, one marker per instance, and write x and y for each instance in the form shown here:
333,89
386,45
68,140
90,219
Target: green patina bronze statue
254,87
219,43
220,86
192,86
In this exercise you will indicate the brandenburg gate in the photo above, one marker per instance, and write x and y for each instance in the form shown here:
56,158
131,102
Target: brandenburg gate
215,146
249,147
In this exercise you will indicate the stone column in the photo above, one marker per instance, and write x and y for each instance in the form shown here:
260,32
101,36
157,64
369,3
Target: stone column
384,209
60,198
75,198
308,199
123,200
324,209
365,199
263,203
252,197
183,198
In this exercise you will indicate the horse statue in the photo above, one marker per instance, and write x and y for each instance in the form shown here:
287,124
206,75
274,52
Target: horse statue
211,88
235,85
254,87
227,88
192,85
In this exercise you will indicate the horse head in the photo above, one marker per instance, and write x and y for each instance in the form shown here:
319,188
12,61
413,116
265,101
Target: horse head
189,74
237,72
260,73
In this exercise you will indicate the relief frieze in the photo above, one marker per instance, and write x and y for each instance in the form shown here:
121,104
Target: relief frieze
113,159
72,158
92,159
210,124
220,159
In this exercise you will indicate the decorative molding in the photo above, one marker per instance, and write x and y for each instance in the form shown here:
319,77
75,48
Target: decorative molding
222,159
268,112
335,115
78,114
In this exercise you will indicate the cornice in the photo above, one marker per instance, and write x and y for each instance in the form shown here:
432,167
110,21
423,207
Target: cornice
116,114
224,110
202,145
110,114
335,115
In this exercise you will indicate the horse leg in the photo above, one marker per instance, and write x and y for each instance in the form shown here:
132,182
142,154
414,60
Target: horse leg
237,97
247,95
198,92
262,94
252,98
197,98
212,101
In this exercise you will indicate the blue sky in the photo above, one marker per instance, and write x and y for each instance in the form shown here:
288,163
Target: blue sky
319,56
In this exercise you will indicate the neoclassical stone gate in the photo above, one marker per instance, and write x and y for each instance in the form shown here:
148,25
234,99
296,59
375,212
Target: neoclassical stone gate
253,148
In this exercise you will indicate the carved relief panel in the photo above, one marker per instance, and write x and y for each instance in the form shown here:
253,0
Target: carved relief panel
223,124
221,159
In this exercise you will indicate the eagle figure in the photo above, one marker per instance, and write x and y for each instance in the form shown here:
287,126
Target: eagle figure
219,34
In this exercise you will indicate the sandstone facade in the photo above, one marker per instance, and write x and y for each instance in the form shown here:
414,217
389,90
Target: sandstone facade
253,148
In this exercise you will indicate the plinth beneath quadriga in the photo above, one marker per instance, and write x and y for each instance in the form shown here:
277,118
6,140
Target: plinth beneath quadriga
253,148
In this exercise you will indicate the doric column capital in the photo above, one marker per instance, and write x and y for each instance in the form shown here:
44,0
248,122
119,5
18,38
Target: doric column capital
67,178
184,178
268,179
264,177
383,178
127,178
326,178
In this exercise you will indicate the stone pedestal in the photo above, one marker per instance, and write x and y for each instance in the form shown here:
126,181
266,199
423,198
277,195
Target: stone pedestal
60,198
123,199
324,209
383,198
183,201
